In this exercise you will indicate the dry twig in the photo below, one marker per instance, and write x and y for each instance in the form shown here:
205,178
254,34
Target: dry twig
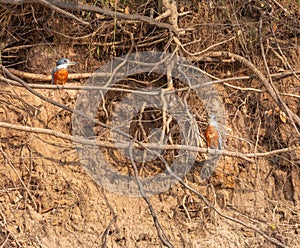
58,6
271,90
47,4
152,146
271,239
19,177
160,230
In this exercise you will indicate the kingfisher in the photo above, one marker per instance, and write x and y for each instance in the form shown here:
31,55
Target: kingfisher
60,72
212,135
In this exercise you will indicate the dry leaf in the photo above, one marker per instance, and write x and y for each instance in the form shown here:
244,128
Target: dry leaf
126,10
282,116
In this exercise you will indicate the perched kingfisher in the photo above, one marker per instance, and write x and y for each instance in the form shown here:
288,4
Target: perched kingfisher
60,72
212,134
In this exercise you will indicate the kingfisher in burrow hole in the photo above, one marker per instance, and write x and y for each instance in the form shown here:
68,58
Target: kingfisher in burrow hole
60,72
212,134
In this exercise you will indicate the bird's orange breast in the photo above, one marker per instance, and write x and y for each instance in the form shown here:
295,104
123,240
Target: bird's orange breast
60,76
212,137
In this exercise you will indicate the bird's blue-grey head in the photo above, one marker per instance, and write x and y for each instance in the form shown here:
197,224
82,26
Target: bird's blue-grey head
212,120
64,63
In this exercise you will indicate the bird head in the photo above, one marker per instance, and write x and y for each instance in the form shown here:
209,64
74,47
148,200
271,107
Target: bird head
64,63
212,120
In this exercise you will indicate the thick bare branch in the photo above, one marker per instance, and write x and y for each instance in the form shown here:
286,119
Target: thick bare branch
58,6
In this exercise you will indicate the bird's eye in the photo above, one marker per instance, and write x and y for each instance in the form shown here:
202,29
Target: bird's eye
65,61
